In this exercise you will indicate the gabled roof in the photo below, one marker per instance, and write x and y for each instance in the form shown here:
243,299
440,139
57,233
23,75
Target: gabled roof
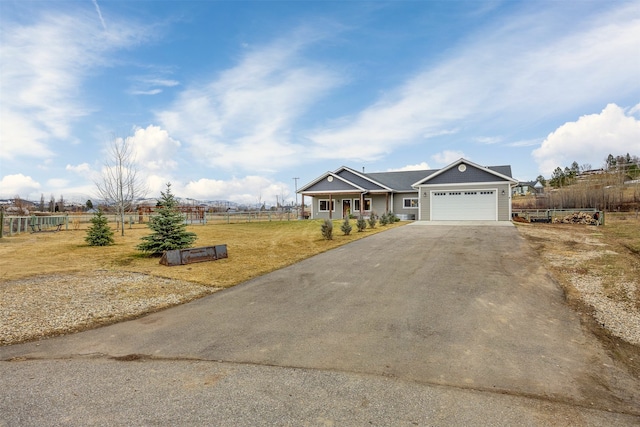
345,179
501,173
401,180
330,182
362,179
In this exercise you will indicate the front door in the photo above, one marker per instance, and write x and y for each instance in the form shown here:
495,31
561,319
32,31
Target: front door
346,208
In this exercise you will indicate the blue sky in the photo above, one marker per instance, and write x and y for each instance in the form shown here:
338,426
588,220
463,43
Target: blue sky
233,99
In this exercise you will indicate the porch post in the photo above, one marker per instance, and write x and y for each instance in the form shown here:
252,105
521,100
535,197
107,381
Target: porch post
330,206
361,204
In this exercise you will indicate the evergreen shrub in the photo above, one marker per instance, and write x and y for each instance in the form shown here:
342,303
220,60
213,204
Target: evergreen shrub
327,229
99,233
169,230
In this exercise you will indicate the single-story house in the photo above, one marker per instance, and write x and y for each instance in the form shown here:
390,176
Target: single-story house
528,187
462,190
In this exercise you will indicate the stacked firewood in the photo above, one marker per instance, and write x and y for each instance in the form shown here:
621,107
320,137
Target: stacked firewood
577,218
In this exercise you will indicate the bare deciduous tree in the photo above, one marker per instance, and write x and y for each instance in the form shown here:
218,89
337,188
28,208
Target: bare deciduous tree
120,184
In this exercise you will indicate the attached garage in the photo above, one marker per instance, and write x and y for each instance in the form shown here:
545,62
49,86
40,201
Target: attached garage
465,191
464,205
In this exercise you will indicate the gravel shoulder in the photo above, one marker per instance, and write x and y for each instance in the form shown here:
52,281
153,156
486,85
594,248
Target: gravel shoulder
600,282
44,306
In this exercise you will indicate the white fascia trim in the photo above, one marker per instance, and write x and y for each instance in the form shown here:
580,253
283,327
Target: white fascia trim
322,193
325,176
463,184
470,163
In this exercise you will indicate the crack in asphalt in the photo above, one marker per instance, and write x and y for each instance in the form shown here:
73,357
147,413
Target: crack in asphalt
137,357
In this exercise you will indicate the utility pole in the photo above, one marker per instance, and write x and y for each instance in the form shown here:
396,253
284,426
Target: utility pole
295,180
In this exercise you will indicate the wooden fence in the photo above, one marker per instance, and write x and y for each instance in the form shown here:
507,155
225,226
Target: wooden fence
12,225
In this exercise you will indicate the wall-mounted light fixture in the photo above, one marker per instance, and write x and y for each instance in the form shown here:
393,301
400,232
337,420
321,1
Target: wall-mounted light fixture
503,193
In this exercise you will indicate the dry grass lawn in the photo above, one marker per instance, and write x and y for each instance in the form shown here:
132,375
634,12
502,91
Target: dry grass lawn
254,248
53,283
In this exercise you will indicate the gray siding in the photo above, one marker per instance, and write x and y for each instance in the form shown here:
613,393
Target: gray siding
328,187
472,174
378,204
504,201
398,204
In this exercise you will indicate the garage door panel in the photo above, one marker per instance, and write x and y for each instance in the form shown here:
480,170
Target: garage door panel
464,205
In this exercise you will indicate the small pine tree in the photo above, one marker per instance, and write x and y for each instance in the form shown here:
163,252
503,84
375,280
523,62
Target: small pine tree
99,233
346,227
373,220
361,224
327,229
169,230
384,219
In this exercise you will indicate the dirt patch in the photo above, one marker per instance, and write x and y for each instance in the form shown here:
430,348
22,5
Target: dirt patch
599,276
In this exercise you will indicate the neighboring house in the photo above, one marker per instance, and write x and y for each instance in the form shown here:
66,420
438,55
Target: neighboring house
462,190
528,187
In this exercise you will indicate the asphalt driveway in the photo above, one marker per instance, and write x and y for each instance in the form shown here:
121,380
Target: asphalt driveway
449,324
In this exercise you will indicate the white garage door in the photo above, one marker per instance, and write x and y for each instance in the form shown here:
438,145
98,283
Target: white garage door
464,205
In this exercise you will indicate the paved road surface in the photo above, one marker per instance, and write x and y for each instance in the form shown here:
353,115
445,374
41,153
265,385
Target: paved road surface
419,325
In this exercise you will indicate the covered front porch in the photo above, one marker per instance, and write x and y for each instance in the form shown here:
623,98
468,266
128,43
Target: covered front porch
344,205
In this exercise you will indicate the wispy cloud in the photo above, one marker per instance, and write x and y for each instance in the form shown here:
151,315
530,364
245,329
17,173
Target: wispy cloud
245,116
448,156
95,3
151,85
526,67
44,65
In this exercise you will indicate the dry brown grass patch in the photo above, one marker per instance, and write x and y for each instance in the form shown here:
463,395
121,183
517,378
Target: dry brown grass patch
600,276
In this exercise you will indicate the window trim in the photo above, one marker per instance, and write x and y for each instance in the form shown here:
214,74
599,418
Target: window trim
356,202
404,202
333,205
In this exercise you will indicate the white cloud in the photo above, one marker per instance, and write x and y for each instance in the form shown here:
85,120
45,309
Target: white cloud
151,85
527,67
56,184
250,190
154,149
82,168
146,92
244,117
448,156
44,65
18,184
488,140
524,143
416,167
590,139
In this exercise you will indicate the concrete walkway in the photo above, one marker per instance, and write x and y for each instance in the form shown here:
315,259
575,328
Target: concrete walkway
442,325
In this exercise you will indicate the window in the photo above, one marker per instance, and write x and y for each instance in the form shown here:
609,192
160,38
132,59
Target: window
324,205
356,205
410,203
